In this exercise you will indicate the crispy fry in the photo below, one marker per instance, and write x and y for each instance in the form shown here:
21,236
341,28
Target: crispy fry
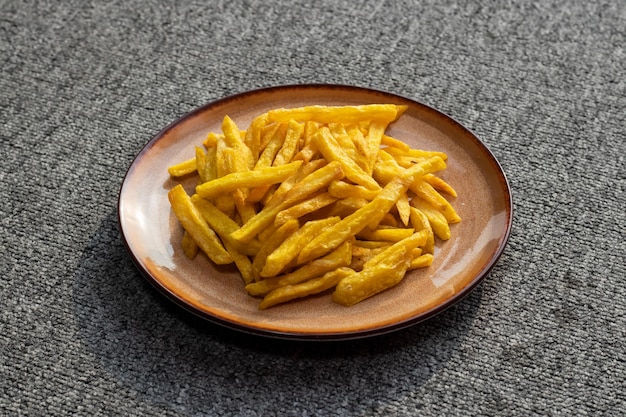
254,178
183,168
394,143
422,261
404,209
388,234
374,138
439,184
385,113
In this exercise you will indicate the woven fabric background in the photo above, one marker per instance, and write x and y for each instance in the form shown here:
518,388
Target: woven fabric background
85,84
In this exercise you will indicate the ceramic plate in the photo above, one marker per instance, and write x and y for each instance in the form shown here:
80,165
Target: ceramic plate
152,233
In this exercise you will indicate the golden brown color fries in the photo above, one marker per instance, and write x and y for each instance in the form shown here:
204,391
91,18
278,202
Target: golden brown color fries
314,199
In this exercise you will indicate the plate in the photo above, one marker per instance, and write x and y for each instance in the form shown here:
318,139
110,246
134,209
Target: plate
152,234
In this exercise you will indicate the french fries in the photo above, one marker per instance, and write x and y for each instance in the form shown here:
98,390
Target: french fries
314,199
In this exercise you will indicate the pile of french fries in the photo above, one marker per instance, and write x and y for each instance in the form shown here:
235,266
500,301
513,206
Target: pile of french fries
313,199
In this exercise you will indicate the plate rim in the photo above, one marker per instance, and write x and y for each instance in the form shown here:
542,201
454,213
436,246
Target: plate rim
321,335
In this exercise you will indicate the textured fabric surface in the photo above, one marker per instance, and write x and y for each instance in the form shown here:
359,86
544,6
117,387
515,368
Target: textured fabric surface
84,85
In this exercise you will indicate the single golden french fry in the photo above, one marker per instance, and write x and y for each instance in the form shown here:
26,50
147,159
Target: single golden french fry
335,259
415,154
182,168
304,289
391,142
224,201
420,169
387,234
404,209
439,184
386,113
201,164
308,206
374,138
383,271
331,150
192,221
289,249
254,178
354,223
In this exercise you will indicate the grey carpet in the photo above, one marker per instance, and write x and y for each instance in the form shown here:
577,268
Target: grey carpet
84,85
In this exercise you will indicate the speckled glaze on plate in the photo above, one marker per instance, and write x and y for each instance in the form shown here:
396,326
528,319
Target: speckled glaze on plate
152,234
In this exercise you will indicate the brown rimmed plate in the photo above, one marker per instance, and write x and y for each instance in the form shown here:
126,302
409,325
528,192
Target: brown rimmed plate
152,234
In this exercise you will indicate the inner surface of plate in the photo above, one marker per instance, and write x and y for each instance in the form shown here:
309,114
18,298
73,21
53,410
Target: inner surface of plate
152,233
